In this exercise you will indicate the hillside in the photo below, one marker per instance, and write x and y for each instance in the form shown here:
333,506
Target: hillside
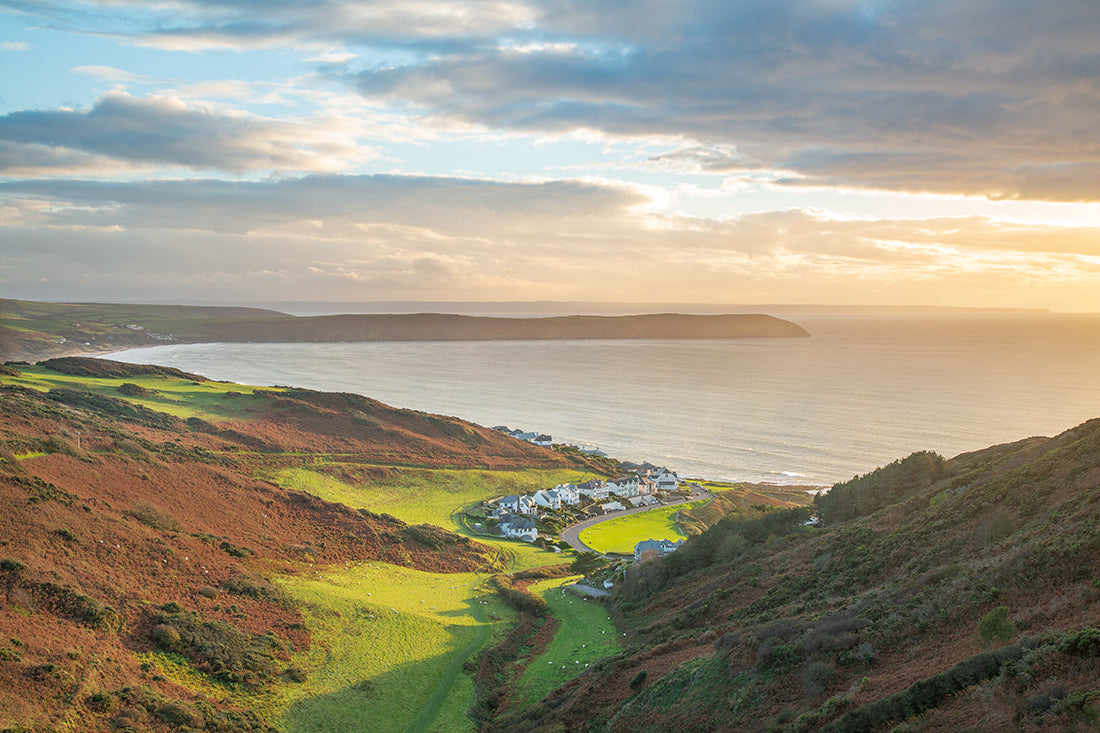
39,330
939,595
143,558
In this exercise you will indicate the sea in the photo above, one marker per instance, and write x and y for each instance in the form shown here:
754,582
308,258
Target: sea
862,391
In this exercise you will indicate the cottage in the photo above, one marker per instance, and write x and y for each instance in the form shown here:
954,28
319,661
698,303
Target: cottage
548,499
544,440
594,489
666,480
521,504
518,527
649,549
567,493
626,486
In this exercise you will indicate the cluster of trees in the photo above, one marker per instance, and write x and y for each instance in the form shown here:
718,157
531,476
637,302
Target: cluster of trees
870,492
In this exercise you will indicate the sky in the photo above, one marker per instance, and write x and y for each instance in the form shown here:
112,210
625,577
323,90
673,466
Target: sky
698,151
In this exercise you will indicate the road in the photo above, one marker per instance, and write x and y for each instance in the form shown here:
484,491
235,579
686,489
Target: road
571,534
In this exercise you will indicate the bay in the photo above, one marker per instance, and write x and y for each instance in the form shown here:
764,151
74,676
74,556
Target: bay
862,391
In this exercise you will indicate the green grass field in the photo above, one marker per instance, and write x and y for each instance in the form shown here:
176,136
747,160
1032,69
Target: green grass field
436,496
586,635
419,495
622,534
388,645
180,398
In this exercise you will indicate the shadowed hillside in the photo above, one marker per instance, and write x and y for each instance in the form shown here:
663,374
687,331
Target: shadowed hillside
938,595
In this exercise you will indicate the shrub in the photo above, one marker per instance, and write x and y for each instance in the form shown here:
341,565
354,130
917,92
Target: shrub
166,636
996,626
260,588
296,674
208,591
100,702
1082,643
639,680
816,678
154,516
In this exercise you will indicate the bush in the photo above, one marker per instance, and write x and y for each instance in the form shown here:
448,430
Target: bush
166,636
1082,643
639,680
258,587
816,678
154,516
996,626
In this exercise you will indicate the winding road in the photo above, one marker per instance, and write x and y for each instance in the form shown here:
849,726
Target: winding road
571,534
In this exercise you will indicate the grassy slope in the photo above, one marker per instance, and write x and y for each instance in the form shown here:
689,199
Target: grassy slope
179,397
380,657
368,667
586,636
784,628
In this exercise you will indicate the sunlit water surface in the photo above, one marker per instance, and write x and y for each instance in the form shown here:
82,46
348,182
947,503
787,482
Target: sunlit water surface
862,391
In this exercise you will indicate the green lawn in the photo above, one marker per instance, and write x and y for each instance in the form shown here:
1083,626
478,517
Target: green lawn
585,636
386,641
180,398
622,534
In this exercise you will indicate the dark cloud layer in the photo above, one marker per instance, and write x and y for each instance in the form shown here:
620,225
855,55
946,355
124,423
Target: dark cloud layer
987,97
156,130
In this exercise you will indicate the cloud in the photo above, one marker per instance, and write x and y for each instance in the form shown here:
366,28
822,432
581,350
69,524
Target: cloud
982,98
394,237
165,130
14,46
107,73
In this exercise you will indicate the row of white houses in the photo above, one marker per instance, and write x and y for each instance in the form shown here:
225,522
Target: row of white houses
627,487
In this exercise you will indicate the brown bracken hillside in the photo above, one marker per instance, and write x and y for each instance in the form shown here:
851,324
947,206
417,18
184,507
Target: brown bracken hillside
118,523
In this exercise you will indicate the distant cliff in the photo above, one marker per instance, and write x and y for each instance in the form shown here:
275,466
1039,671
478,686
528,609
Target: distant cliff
444,327
33,331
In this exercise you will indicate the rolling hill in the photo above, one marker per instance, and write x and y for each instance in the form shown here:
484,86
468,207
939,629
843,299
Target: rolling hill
143,558
938,595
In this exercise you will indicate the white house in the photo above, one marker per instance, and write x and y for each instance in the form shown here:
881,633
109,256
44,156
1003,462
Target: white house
593,489
522,504
567,493
624,486
544,440
548,498
649,549
666,480
522,435
517,527
612,506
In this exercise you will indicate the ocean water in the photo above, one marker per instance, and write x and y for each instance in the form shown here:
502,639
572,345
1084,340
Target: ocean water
861,392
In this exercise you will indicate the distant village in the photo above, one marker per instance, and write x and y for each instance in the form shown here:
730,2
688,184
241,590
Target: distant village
539,516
